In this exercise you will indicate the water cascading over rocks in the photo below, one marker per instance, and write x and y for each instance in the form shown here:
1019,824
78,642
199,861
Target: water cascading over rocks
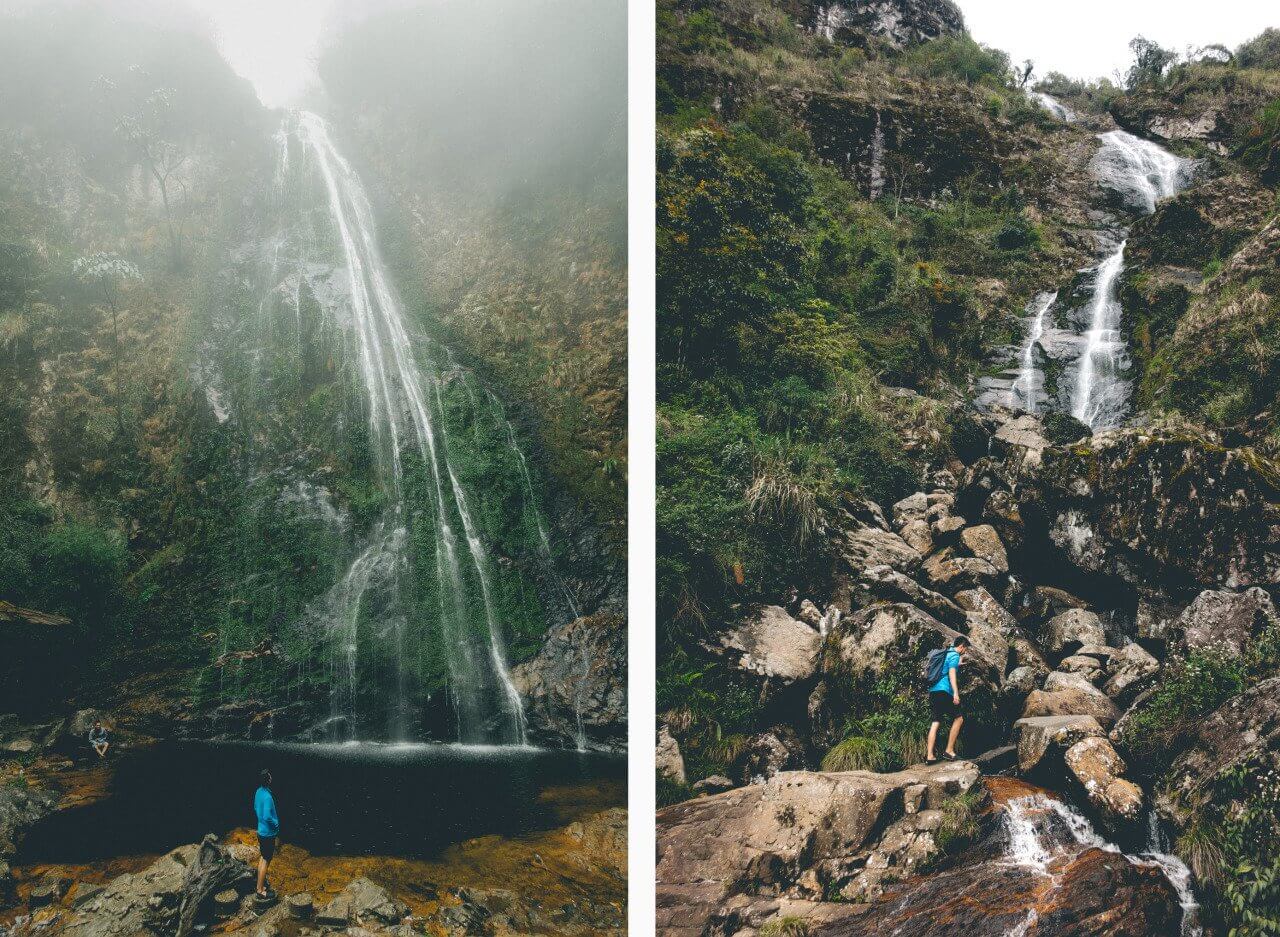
1142,174
1095,386
421,591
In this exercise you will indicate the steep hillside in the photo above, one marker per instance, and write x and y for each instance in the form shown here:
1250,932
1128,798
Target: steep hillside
943,355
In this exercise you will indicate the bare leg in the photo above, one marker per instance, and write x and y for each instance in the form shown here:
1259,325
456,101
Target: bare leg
933,739
262,875
955,734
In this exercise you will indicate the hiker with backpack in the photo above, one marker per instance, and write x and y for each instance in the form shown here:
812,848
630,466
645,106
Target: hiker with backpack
942,675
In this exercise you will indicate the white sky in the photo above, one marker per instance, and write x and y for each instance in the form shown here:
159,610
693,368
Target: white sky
1090,38
273,43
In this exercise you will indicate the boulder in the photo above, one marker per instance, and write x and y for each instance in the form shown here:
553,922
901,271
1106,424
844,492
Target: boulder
919,535
1039,737
1071,630
370,903
1154,619
989,642
773,838
885,583
575,688
1099,769
877,639
1244,730
1067,694
983,604
1165,507
767,753
1226,619
1083,665
166,897
947,572
909,509
337,913
1128,666
20,809
945,530
861,547
668,760
810,614
773,645
715,784
1020,683
1001,510
1047,601
984,543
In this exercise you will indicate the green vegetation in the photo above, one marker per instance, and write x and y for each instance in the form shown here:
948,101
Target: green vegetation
961,820
1189,689
788,297
856,753
786,927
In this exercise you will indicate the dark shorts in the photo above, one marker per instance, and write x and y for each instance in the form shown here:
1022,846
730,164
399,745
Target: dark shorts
943,706
266,846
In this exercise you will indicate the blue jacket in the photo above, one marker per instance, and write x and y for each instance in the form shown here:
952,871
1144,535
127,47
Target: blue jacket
264,805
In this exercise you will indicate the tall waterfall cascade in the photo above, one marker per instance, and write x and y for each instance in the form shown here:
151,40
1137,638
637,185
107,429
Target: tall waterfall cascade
421,587
1082,331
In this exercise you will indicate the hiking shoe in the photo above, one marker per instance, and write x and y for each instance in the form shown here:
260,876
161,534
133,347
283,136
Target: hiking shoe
931,761
950,757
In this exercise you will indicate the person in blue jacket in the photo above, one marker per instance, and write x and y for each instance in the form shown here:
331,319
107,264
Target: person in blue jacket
264,805
944,701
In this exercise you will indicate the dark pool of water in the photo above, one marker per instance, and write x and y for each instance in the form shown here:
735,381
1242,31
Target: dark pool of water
386,800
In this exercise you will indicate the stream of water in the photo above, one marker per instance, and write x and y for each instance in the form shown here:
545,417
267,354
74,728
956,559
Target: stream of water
1138,174
1041,829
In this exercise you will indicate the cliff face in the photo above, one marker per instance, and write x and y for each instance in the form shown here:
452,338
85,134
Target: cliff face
186,457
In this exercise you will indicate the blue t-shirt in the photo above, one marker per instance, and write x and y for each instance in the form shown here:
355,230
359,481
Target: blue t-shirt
944,683
264,805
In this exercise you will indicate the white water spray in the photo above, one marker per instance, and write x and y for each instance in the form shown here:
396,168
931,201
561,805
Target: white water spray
401,384
1022,393
1142,174
1041,829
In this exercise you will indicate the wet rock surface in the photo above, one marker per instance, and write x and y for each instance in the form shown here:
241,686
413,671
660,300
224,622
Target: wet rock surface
575,688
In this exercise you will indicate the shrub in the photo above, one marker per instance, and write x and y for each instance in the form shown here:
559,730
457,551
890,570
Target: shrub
960,824
786,927
81,571
960,59
1018,234
1188,690
1262,51
856,754
671,792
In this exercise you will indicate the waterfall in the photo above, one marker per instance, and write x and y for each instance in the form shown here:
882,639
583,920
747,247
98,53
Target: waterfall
1139,174
1101,391
369,617
1040,829
1053,106
877,161
1142,174
1022,393
1139,171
